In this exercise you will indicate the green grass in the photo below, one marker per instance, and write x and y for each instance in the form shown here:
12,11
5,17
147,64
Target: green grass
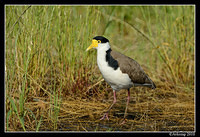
47,66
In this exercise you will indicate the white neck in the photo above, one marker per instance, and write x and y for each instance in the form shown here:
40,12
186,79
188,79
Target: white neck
101,54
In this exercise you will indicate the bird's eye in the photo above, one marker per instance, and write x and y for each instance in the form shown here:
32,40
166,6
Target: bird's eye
99,41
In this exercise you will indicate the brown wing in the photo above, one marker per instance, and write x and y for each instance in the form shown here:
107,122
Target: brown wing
132,68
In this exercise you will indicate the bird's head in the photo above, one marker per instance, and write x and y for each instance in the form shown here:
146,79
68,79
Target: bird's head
98,42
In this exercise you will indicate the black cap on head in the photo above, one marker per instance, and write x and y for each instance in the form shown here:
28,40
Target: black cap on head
101,38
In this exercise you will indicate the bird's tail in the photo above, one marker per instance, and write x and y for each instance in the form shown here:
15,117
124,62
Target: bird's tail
148,83
152,84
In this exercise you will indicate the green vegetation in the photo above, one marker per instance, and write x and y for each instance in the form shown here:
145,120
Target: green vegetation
53,84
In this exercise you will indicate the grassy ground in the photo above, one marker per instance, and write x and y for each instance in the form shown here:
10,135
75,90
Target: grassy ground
52,84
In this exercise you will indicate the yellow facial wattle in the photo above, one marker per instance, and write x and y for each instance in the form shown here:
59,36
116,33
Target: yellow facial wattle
93,45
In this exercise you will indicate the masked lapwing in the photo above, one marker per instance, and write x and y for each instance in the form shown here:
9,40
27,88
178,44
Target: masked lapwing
118,70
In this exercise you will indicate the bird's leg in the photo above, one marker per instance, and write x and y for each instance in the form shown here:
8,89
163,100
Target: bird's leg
128,98
114,101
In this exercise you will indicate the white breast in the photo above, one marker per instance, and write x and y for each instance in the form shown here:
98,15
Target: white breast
115,78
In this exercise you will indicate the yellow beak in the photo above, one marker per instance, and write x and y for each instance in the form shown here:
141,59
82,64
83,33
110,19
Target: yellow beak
93,45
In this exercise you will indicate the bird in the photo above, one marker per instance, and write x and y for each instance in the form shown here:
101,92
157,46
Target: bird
118,70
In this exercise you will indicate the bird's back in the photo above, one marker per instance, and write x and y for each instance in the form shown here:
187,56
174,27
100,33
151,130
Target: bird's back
133,69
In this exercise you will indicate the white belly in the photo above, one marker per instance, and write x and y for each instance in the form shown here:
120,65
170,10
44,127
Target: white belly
115,78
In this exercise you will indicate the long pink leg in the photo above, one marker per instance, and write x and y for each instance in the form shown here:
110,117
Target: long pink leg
114,101
128,99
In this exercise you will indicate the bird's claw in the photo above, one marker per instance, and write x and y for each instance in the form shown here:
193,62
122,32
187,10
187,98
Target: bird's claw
105,115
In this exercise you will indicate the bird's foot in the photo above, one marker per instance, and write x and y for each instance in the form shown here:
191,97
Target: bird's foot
105,116
123,122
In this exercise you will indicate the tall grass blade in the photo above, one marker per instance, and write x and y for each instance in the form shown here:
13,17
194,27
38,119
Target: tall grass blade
16,112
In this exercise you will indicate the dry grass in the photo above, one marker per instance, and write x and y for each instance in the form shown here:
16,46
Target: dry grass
149,110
